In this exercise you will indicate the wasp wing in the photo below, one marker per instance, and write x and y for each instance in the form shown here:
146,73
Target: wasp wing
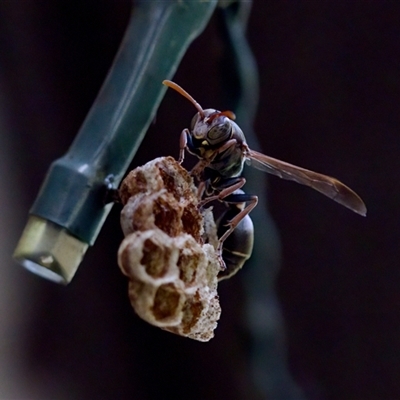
326,185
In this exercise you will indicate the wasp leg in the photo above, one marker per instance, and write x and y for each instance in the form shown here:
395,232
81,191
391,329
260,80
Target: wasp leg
198,169
237,248
225,146
182,145
206,161
226,192
201,189
237,199
225,188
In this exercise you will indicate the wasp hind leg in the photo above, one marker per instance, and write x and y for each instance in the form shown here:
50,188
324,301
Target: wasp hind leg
237,198
229,191
237,248
224,189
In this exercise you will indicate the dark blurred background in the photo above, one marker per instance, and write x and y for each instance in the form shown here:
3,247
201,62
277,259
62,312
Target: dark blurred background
329,101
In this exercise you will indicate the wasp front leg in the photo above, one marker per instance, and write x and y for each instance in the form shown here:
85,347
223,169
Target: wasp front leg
207,157
183,145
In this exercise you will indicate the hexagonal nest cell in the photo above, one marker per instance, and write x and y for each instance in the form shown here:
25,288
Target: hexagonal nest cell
172,271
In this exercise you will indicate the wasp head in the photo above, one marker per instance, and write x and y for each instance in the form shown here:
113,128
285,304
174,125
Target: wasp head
211,127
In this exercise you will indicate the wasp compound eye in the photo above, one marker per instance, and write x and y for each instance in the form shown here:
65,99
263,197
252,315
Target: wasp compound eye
219,133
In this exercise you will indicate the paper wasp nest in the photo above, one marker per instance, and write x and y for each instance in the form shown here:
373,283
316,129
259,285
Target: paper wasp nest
172,273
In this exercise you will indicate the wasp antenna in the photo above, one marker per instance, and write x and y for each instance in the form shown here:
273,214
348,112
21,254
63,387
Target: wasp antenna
184,93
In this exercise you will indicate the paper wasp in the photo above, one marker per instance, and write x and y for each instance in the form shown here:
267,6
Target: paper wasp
222,150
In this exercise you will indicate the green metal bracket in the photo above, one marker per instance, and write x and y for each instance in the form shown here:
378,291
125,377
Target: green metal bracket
70,208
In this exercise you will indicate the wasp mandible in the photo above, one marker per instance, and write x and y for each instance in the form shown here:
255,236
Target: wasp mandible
221,147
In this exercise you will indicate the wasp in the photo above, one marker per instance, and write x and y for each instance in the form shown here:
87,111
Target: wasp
220,145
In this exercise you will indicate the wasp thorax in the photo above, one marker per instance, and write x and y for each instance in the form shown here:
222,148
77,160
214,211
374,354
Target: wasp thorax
172,273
